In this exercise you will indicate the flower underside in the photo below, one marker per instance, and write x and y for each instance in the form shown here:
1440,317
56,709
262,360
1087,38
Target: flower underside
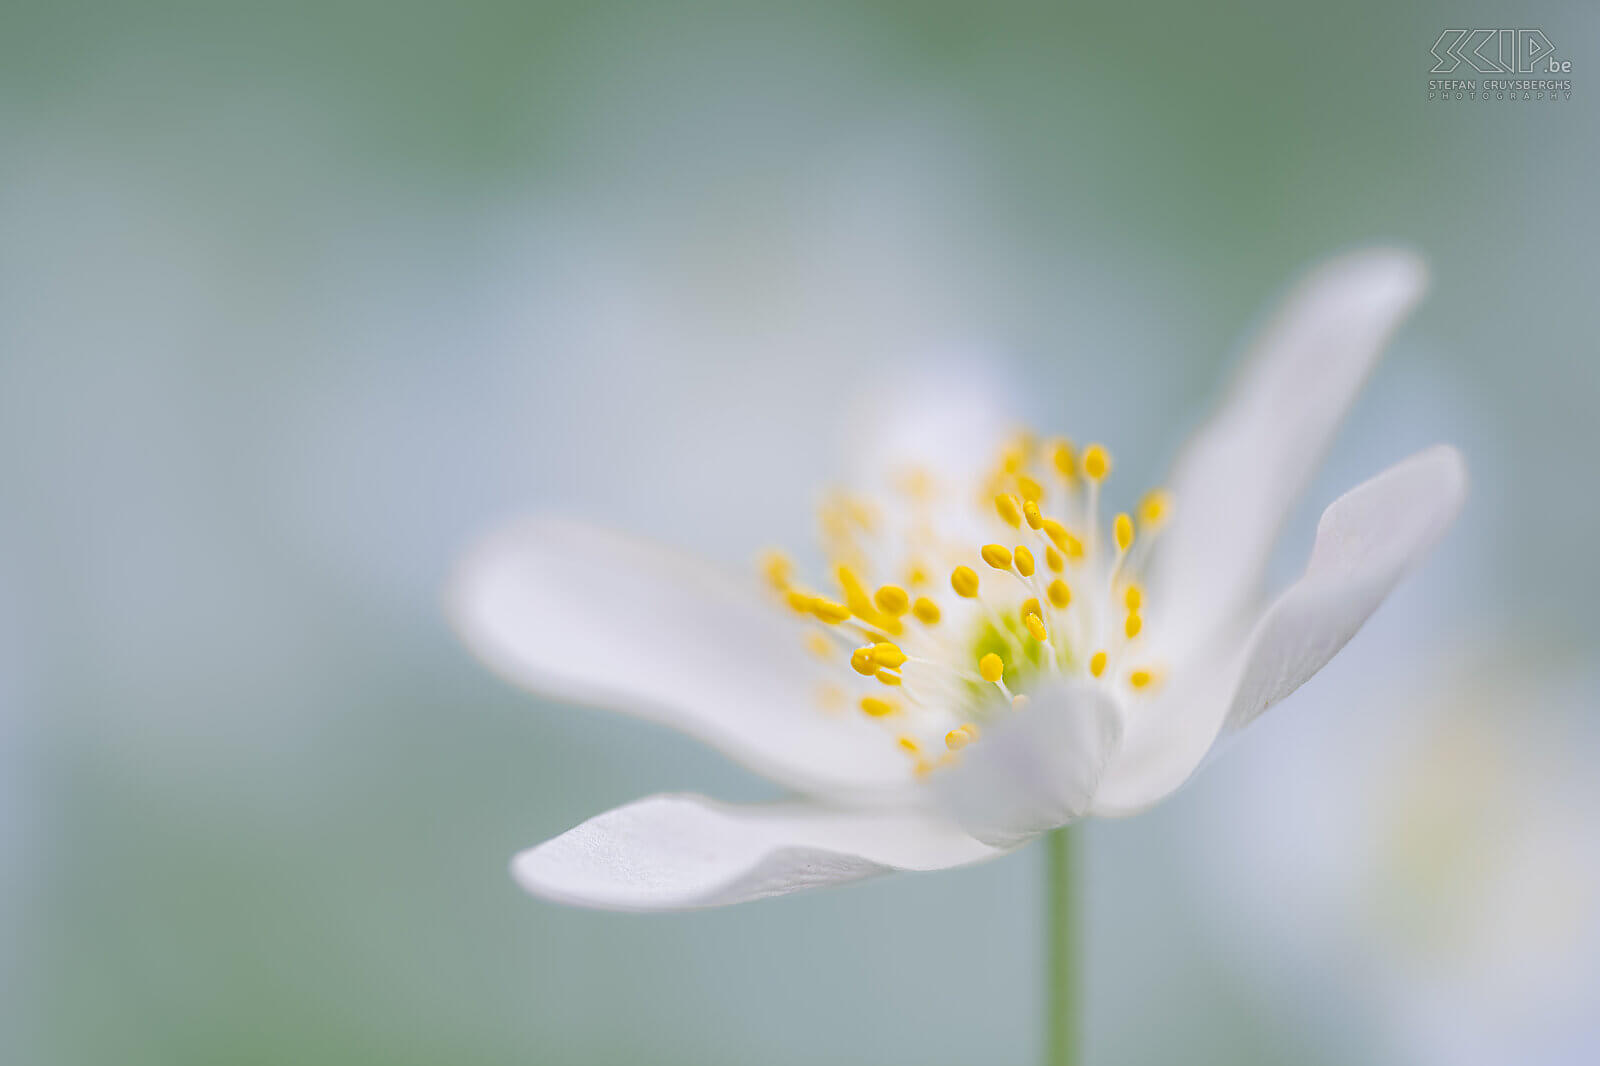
935,634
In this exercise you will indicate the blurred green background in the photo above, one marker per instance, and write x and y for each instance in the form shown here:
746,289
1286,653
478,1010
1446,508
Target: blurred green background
297,299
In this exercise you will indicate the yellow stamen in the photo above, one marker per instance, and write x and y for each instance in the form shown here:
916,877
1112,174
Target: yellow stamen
829,611
991,667
960,737
1155,507
1140,678
1030,606
1024,560
877,708
926,610
922,768
1054,559
1070,545
1012,458
1096,462
1133,624
886,654
1133,598
1030,511
997,556
908,743
1097,663
917,575
892,600
1009,508
819,645
1123,527
862,663
888,677
964,581
855,596
799,601
1060,593
778,568
1061,457
1036,627
1030,489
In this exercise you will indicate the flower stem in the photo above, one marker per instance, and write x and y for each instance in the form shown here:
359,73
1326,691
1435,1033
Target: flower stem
1062,1021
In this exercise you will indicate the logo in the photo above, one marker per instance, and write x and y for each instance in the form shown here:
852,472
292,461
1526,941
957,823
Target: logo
1497,52
1503,51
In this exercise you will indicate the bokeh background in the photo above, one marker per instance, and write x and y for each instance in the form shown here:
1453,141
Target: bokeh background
297,299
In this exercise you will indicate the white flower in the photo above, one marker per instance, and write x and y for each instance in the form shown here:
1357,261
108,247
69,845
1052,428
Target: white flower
981,661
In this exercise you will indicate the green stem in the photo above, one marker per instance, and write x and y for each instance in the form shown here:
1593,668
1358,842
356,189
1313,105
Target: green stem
1062,1020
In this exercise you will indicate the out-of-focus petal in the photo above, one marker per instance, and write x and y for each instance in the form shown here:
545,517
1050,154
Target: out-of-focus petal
1366,541
684,852
1036,769
1236,481
580,613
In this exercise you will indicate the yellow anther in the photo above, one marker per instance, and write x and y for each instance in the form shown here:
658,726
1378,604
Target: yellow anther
1123,528
855,594
1024,560
1013,457
917,575
876,707
1030,606
1030,489
1097,663
1054,559
1060,593
799,601
1009,509
964,581
997,556
819,645
1155,507
861,662
1036,627
1140,678
922,768
829,611
1133,597
1030,512
991,667
926,610
1096,462
886,654
1133,624
779,568
908,743
892,600
960,737
888,677
1073,547
1061,457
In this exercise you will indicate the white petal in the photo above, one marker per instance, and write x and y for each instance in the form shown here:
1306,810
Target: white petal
681,852
1366,542
1236,481
584,614
1034,770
